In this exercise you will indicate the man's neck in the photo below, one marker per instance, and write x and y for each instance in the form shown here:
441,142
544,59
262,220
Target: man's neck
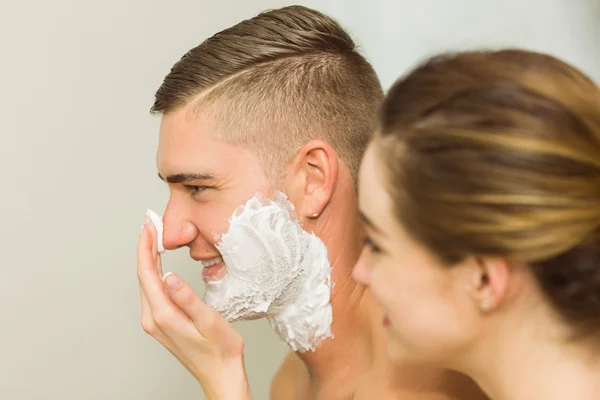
349,353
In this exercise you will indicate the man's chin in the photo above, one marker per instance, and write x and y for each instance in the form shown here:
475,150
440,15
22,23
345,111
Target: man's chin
231,311
251,317
214,273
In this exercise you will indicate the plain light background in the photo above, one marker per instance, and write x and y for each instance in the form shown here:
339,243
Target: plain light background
77,149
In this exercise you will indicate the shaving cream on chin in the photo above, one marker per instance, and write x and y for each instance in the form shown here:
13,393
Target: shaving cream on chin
275,269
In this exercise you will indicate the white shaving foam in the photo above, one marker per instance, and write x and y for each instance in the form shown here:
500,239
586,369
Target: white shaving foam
158,224
275,269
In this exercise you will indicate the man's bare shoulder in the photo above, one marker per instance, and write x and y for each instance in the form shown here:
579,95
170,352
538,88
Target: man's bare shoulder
288,380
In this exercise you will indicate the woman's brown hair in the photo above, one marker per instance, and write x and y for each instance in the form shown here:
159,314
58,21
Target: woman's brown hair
497,153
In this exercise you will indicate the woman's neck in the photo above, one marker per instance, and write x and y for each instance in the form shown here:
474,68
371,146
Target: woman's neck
535,361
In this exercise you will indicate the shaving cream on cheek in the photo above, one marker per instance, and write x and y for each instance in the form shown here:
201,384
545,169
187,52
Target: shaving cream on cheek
277,270
158,224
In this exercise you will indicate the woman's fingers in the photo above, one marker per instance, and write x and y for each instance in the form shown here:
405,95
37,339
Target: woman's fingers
207,320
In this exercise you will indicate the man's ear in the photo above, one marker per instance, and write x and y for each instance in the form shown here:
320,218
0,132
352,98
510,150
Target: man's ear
311,177
487,281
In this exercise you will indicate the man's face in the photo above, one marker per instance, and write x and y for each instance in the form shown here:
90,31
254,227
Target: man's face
208,179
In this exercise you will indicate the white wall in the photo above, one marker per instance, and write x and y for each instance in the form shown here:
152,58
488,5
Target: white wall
395,34
77,79
77,156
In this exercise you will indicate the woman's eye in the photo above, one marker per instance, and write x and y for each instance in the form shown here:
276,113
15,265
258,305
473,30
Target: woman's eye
371,246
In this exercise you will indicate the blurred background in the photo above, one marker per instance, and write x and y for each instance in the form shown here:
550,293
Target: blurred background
77,153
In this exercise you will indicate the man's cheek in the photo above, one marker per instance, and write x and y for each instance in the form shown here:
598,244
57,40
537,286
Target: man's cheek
216,216
215,227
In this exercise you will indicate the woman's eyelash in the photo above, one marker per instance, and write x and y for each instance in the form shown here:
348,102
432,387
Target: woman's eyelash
371,246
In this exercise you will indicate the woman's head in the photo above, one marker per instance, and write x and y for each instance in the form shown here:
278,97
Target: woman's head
489,163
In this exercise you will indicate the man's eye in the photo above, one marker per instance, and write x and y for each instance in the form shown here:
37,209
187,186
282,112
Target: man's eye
194,190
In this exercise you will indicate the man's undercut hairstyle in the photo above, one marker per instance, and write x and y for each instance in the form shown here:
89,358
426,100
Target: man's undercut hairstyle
276,81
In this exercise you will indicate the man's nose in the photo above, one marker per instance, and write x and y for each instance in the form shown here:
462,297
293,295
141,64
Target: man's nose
178,230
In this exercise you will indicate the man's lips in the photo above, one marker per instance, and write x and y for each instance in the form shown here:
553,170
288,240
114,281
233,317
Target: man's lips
211,261
214,269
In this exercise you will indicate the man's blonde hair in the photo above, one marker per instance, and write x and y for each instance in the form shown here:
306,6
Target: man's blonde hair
277,81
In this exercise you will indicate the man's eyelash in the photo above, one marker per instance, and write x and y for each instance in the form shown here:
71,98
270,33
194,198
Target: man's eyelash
194,189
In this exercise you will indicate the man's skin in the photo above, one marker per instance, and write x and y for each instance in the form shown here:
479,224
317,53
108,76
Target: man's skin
208,179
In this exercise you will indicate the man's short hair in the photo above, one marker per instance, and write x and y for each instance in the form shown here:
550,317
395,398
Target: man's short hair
277,81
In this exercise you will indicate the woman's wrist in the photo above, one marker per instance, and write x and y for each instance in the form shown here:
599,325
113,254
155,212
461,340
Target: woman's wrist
230,384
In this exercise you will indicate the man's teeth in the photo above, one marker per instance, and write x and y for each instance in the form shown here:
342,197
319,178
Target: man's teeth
212,261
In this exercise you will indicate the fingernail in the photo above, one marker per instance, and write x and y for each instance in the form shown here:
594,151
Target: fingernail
147,220
170,280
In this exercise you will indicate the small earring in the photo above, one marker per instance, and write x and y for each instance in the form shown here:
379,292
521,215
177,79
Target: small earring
315,215
485,304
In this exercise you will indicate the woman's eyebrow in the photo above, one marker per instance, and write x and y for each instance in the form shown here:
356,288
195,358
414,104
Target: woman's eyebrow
369,223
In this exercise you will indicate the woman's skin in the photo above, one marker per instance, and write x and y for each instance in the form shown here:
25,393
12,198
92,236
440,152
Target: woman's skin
484,317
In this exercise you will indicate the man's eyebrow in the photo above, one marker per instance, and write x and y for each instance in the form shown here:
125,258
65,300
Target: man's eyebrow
182,178
369,223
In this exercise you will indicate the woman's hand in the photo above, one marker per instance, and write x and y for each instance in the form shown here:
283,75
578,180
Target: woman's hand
203,341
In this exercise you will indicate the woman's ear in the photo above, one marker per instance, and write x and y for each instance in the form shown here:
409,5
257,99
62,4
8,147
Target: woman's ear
487,281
